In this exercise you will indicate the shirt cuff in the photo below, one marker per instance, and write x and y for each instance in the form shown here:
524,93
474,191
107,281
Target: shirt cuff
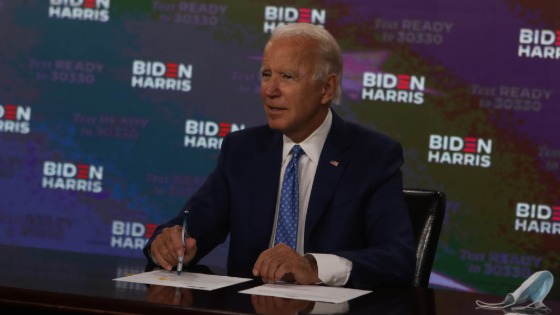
333,270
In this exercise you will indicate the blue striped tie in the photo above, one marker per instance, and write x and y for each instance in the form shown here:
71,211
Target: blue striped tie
287,225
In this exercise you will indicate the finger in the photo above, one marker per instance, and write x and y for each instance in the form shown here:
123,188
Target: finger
262,265
284,271
167,247
162,255
272,268
268,266
175,233
268,262
258,266
286,276
273,262
190,249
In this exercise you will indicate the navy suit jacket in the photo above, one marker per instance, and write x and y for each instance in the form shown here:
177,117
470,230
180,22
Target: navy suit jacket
356,208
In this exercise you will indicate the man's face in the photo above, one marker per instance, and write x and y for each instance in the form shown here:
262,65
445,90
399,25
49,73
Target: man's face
294,102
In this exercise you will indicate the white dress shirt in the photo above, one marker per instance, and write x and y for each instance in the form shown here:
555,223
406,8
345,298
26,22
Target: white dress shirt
333,270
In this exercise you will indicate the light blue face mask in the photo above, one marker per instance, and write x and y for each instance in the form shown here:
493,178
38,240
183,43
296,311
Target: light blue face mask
534,289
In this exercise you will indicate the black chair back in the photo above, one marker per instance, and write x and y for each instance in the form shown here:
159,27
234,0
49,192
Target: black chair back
427,209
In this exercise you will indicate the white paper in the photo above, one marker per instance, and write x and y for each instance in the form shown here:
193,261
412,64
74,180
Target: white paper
188,280
316,293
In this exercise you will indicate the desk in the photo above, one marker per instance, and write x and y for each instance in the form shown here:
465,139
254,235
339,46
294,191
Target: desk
58,282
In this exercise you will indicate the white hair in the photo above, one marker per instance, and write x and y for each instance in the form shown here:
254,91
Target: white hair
328,51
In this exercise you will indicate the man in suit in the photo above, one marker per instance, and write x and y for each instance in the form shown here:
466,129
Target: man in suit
353,227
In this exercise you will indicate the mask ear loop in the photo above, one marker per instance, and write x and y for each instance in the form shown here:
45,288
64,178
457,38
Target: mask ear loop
497,306
537,305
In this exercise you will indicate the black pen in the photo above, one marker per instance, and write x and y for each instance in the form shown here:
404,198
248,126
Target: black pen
183,236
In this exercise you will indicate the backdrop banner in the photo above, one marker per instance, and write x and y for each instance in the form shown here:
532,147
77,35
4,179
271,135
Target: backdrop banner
112,113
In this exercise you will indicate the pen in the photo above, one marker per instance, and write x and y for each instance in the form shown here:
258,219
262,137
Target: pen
183,236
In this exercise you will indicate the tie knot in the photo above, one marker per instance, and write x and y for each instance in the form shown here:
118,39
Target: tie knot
296,152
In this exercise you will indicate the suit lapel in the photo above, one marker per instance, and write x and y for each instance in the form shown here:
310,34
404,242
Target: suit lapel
265,187
332,163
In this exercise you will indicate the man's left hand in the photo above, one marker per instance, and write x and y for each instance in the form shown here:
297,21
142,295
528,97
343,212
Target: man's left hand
281,262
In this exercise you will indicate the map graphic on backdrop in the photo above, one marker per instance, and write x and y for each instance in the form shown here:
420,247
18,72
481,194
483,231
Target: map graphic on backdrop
112,113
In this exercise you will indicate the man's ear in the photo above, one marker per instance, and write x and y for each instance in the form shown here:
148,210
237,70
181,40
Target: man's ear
329,88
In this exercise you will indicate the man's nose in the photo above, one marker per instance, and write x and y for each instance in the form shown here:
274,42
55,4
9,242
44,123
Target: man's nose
271,87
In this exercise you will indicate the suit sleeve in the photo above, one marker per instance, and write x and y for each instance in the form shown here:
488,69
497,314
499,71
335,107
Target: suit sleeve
388,257
208,212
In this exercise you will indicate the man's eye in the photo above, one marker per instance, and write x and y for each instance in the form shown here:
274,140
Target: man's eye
265,75
287,77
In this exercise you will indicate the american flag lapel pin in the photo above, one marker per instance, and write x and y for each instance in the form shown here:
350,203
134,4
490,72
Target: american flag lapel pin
334,163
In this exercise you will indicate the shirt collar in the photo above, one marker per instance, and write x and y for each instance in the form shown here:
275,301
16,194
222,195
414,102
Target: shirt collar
312,145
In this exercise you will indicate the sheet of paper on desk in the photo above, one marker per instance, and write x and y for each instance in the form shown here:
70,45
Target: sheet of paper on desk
184,280
315,293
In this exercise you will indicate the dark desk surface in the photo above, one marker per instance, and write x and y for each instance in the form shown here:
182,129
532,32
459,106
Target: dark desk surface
54,282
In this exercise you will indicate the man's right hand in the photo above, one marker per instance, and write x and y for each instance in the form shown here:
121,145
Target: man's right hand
167,247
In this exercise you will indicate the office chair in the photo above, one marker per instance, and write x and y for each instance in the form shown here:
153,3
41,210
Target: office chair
427,209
